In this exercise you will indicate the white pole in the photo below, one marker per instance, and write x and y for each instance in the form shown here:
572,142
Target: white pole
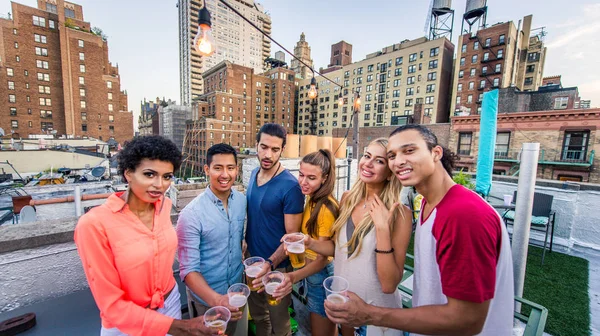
524,205
77,197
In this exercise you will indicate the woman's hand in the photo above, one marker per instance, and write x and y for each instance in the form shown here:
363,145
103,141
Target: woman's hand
380,214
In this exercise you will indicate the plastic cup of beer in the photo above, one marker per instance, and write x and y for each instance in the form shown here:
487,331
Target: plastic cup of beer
216,318
294,244
336,288
271,281
238,295
253,267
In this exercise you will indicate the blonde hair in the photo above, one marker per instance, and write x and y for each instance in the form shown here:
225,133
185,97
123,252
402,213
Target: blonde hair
389,195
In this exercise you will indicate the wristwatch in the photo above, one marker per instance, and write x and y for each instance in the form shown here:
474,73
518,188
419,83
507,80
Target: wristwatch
270,262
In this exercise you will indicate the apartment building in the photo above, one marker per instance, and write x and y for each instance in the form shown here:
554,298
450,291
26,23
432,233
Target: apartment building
236,41
236,104
302,51
59,81
499,56
391,82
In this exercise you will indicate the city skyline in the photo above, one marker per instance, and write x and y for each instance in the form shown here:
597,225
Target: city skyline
139,46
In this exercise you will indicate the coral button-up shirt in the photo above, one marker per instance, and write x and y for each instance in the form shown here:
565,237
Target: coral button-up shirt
128,266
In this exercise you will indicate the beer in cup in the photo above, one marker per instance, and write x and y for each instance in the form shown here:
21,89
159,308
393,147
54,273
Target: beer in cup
252,267
294,244
238,295
271,281
336,288
216,318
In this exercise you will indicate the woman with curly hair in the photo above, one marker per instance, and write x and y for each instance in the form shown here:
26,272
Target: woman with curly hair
127,247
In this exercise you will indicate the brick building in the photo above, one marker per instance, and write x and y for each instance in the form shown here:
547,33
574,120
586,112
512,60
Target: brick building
56,77
499,56
236,103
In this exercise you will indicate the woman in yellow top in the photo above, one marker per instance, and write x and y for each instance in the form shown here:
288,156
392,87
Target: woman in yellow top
317,180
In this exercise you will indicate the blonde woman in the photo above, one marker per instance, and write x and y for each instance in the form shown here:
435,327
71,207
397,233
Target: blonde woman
370,236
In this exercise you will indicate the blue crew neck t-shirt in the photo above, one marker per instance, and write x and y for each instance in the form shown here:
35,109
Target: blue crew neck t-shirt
267,206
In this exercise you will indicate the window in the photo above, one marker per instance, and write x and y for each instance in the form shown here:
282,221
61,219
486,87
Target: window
461,74
412,57
51,8
39,38
109,85
434,52
41,64
498,68
110,96
502,143
369,78
396,82
471,85
39,21
464,48
82,92
111,118
575,145
45,102
81,68
83,115
459,87
432,76
41,51
500,53
458,100
482,84
408,102
472,74
110,107
462,61
13,111
429,100
561,103
488,42
484,70
486,56
530,68
464,143
412,69
14,124
470,99
399,61
532,57
51,24
17,58
496,82
12,98
474,59
430,88
480,99
11,85
370,68
69,13
528,80
16,45
81,80
80,43
47,126
433,64
43,89
45,114
82,104
81,56
410,91
410,80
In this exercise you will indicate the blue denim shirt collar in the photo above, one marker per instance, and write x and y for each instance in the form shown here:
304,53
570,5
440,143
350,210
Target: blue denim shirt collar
213,198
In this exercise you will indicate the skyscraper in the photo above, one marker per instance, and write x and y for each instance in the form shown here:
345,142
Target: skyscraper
302,51
56,75
236,41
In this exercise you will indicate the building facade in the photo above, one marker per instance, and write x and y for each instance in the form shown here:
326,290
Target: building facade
172,122
499,56
341,54
56,76
392,83
236,41
148,122
236,104
302,51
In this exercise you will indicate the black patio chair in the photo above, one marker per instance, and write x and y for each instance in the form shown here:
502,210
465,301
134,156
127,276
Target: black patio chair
542,218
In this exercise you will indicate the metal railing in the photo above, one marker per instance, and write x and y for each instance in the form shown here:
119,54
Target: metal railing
550,156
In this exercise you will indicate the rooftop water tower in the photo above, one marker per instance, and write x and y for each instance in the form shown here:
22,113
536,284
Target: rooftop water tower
475,16
441,20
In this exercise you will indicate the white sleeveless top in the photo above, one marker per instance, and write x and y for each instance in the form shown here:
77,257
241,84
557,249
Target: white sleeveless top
361,273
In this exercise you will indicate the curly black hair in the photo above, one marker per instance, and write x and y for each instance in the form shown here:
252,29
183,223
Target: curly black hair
152,147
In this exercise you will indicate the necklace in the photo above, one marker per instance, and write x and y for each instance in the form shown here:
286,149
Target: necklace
365,204
275,173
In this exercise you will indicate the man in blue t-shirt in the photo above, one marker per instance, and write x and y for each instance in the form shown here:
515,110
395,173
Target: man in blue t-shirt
275,206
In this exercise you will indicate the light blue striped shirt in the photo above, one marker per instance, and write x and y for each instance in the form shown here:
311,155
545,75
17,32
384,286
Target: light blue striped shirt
210,239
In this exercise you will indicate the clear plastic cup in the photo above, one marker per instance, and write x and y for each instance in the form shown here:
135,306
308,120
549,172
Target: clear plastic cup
294,244
271,281
216,318
238,295
253,266
336,288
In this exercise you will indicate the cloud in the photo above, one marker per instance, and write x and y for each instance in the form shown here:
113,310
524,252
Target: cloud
586,24
573,34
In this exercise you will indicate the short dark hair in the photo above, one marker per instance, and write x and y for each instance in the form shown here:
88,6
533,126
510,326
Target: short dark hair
221,148
152,147
448,157
275,130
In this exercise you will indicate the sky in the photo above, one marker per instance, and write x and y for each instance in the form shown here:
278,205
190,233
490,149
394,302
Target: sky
143,35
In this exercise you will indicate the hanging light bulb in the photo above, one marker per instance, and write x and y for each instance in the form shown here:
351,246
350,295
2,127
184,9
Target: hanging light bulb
357,102
341,99
312,93
204,43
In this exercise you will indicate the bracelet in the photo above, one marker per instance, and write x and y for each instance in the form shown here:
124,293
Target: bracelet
270,262
385,252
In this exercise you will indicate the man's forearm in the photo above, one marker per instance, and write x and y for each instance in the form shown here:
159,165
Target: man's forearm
198,285
278,256
428,320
